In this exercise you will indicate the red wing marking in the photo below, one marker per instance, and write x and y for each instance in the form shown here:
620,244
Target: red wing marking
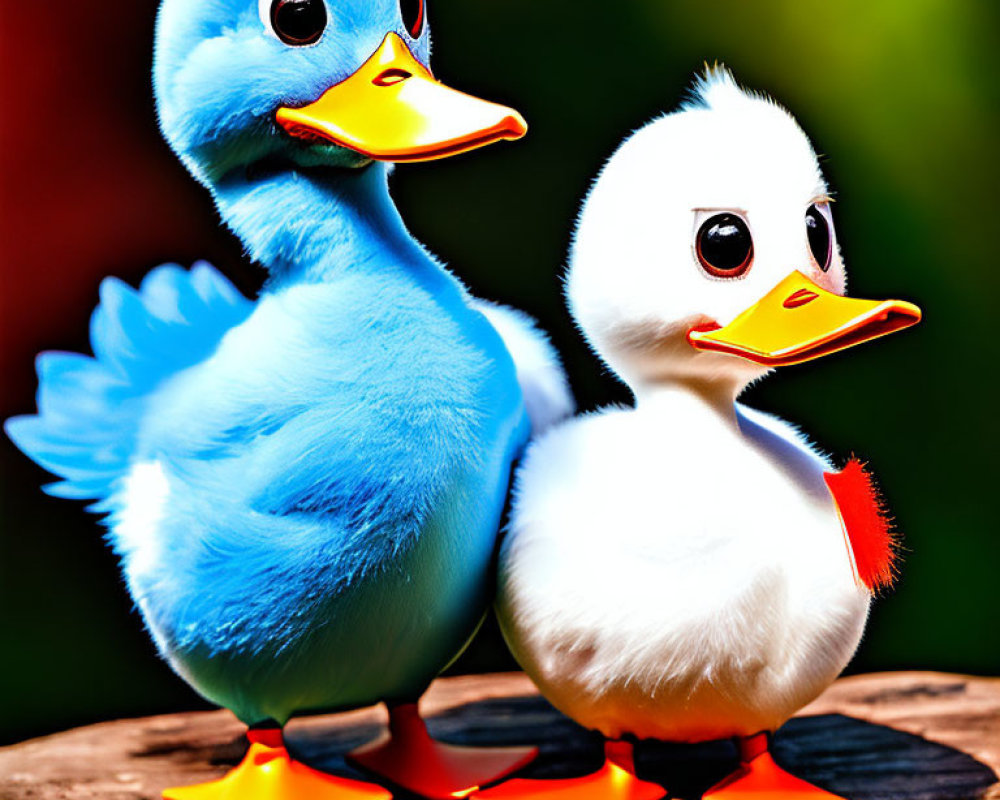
863,513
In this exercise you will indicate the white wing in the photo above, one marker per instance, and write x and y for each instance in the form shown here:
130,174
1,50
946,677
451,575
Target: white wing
546,391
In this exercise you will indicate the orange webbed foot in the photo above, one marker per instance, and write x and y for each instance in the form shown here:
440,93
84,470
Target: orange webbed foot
408,757
267,772
615,780
760,777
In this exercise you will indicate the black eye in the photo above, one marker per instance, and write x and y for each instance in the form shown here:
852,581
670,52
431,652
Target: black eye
724,246
298,22
413,16
818,231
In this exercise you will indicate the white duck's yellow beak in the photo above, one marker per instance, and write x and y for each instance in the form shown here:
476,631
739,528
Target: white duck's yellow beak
392,109
798,321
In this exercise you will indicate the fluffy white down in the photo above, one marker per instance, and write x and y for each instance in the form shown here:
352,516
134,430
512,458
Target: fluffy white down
664,579
540,374
145,499
145,492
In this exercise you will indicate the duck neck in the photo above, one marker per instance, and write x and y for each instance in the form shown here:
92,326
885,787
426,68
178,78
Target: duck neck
713,398
308,226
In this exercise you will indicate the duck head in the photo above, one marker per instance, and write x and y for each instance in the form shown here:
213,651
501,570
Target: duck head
706,251
247,84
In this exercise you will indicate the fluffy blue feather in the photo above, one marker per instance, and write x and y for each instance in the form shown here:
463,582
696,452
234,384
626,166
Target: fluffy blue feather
90,409
335,472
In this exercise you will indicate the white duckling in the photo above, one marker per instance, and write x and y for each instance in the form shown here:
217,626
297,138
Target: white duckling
691,569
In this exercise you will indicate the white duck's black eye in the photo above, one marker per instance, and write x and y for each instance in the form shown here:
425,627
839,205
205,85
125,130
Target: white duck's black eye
724,246
298,22
413,13
820,240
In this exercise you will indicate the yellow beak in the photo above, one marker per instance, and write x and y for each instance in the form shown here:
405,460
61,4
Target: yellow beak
392,109
798,321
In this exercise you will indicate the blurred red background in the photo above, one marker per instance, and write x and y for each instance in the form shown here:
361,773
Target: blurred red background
88,186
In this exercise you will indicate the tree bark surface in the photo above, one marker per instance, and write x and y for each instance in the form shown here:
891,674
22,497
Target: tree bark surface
909,735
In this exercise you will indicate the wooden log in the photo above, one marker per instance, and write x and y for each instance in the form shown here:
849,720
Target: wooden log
910,736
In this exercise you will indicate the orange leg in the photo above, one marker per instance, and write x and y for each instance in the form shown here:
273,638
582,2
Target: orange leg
759,777
267,772
407,756
616,780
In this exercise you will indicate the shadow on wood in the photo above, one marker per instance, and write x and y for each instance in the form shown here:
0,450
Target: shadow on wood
857,759
860,759
853,758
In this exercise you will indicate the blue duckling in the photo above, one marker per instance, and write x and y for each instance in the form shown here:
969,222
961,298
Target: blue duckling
305,491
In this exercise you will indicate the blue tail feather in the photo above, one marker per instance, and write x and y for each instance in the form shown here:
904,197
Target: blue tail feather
90,409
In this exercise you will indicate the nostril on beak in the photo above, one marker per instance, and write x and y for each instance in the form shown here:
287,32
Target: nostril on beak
799,298
391,76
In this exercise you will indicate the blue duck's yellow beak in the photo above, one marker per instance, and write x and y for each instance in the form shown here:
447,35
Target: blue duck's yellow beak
392,109
798,321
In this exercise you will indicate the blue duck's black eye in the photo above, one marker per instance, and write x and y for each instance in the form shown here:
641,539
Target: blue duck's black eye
298,22
818,231
724,246
413,13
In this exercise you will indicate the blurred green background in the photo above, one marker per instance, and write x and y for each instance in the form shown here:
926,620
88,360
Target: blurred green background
902,97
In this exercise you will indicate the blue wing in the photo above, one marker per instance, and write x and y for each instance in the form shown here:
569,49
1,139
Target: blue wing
90,408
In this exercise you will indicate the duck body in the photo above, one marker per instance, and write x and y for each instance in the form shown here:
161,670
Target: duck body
365,473
366,468
691,569
307,514
648,594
